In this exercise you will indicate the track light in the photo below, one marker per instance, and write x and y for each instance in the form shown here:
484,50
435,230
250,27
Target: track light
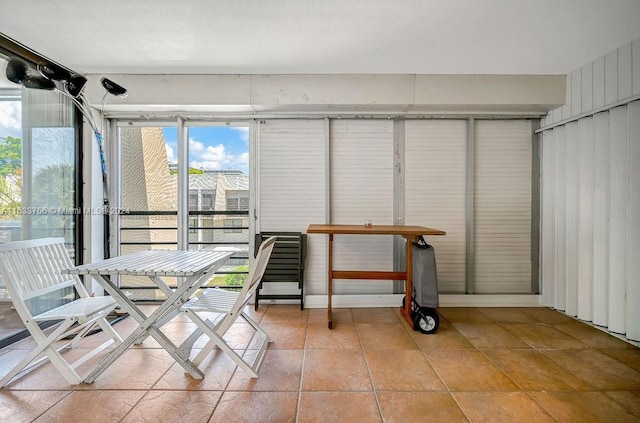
53,71
113,88
38,82
75,84
17,70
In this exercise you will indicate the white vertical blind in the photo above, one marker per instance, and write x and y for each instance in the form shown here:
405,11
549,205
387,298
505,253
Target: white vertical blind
292,191
601,220
362,189
547,224
619,165
607,222
585,216
560,217
633,254
502,200
572,209
435,192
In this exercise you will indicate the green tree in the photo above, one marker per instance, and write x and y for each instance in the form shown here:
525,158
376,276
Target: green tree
10,177
235,278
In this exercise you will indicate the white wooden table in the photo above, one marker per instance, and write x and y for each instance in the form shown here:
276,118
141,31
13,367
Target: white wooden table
193,267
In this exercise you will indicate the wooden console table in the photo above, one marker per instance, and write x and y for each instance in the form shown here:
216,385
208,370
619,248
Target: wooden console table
410,233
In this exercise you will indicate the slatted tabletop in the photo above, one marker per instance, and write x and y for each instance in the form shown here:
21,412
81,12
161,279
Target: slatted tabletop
154,263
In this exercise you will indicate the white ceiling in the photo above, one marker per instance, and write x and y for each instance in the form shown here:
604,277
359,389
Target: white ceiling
322,36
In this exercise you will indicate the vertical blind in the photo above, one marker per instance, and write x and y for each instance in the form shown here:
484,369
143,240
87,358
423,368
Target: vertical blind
292,188
362,189
502,206
435,192
591,218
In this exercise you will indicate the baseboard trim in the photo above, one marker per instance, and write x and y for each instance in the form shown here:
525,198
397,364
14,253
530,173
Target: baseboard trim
446,300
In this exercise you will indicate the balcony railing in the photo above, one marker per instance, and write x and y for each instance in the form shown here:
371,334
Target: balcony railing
142,230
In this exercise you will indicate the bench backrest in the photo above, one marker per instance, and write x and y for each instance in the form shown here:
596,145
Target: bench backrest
32,269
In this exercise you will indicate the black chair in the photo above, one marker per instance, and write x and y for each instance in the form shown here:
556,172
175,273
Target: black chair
286,264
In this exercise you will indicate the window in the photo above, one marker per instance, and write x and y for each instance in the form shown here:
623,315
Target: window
237,200
193,199
233,226
207,200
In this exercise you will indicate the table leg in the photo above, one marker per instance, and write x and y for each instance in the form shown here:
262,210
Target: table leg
149,325
330,282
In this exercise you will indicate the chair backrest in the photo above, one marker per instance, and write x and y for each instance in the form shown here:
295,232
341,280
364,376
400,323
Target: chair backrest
288,257
255,273
32,269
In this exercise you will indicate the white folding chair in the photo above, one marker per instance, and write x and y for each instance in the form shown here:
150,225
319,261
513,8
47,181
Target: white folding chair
230,305
31,271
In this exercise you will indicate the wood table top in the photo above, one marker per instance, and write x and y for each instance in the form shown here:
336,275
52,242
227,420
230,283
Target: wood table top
373,230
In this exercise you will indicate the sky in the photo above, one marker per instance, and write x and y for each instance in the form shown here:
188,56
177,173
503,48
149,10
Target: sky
212,147
10,119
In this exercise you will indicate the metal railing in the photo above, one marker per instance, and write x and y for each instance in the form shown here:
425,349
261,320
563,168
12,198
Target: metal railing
206,231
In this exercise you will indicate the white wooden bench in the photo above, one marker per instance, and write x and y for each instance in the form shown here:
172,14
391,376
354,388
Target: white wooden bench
31,271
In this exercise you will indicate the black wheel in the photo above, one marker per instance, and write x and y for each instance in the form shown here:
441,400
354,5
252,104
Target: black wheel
426,320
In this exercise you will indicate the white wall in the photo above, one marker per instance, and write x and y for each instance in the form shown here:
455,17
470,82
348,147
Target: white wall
332,94
590,236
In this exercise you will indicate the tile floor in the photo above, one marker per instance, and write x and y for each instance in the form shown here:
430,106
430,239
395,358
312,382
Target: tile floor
483,365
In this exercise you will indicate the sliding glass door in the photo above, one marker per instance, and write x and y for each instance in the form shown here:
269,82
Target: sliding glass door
183,186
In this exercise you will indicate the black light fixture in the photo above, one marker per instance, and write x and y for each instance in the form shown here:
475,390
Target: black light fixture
53,71
113,88
71,85
17,70
38,82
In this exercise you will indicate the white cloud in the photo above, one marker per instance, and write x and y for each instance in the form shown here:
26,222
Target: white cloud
10,118
171,155
244,132
215,157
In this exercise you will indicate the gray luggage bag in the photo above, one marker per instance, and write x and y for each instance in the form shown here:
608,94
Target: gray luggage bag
424,298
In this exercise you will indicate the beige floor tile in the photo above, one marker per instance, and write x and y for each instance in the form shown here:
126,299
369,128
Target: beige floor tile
465,370
495,407
543,336
280,371
629,400
330,407
402,370
547,315
385,336
402,407
93,406
335,370
341,337
489,335
630,357
507,315
251,407
284,337
289,314
599,370
218,369
174,406
533,371
591,336
369,367
340,316
135,369
25,406
446,337
463,315
374,315
571,407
